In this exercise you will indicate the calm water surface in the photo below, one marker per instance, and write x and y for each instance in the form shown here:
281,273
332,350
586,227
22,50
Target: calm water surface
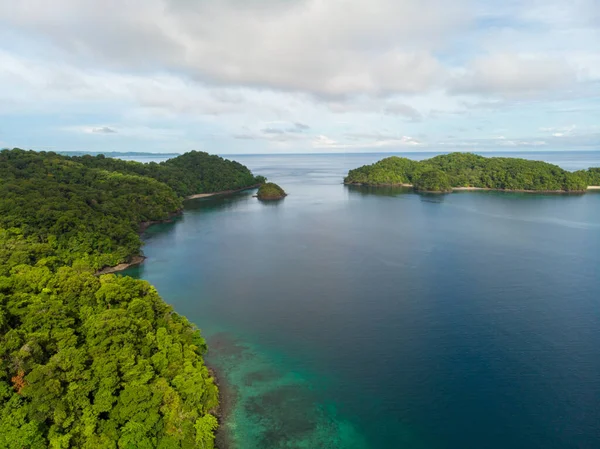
378,318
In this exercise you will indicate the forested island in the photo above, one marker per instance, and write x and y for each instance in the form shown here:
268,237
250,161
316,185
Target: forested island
270,191
93,361
453,171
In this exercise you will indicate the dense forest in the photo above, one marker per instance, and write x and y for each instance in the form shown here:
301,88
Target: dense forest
188,174
56,209
92,361
88,362
471,170
591,176
432,180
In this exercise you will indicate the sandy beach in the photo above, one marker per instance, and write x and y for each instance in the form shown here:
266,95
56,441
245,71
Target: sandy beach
224,192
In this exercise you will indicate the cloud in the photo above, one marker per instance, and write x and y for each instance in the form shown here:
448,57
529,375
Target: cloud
244,136
376,106
329,49
273,131
403,110
300,127
104,130
513,75
269,75
138,132
293,128
361,141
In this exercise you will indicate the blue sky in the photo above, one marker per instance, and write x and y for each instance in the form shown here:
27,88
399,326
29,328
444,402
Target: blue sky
290,76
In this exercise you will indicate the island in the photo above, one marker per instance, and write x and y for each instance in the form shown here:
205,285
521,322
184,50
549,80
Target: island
434,181
270,191
92,360
467,171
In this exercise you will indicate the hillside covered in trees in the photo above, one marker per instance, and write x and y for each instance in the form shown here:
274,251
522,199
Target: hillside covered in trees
591,176
471,170
92,361
188,174
56,210
88,362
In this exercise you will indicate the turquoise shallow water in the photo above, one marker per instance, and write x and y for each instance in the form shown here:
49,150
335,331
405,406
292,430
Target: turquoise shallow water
378,318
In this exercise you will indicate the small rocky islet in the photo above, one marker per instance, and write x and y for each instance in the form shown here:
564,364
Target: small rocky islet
270,191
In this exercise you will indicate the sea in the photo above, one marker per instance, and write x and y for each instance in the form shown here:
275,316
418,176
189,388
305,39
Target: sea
379,318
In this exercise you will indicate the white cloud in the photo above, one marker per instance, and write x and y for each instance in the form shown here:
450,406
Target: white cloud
361,141
363,74
329,48
140,132
104,130
513,75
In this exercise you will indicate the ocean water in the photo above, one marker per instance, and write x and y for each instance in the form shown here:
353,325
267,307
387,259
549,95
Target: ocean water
349,317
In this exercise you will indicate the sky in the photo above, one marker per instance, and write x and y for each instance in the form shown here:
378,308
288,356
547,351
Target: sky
300,76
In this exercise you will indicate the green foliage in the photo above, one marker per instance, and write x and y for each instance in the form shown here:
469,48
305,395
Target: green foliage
591,176
471,170
188,174
389,171
433,180
270,191
88,362
55,211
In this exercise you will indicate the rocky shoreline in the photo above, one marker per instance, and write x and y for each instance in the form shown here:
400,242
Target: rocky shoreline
227,397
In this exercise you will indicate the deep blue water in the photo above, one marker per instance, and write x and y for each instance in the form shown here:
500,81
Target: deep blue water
379,318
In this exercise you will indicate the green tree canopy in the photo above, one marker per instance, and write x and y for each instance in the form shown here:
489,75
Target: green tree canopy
270,191
188,174
87,361
471,170
433,180
591,176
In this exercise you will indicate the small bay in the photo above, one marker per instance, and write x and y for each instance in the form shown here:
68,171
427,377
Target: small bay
356,317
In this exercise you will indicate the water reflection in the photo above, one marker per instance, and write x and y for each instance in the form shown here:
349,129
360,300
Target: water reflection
378,190
432,197
272,203
219,202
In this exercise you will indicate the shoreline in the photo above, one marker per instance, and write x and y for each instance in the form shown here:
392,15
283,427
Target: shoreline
227,399
144,225
223,192
135,260
467,189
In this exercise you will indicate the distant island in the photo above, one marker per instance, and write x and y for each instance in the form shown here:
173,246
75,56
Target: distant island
464,171
270,191
90,360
